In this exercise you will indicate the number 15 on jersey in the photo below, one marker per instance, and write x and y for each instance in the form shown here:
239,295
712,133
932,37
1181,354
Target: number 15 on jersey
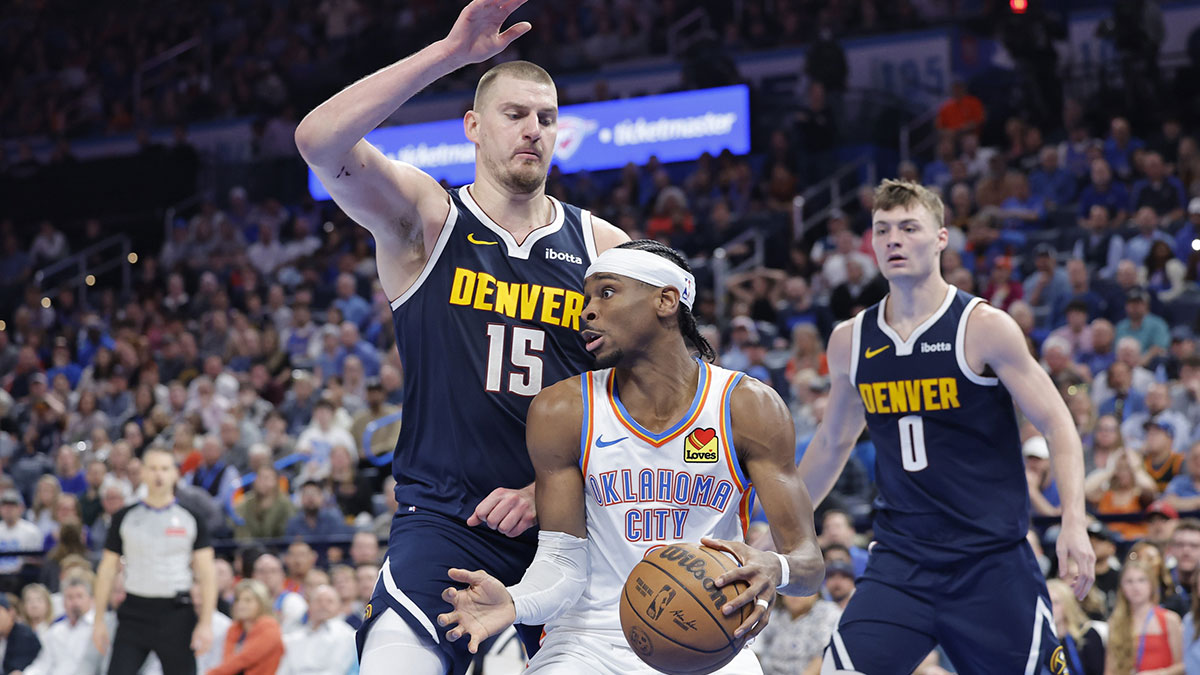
524,348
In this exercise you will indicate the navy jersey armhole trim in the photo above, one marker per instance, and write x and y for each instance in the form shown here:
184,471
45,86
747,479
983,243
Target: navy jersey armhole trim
443,238
960,348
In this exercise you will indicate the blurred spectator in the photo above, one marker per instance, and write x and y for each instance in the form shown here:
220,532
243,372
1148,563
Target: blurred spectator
265,511
1104,191
1108,568
962,113
21,645
37,612
1123,488
1051,183
213,474
383,440
1188,235
1043,491
1158,401
1047,288
1149,330
1083,643
351,305
838,528
16,533
382,524
1076,331
289,606
1137,246
1183,492
353,344
839,582
320,437
1002,290
315,521
1161,193
796,635
1161,462
50,245
324,644
1119,148
351,490
67,646
254,641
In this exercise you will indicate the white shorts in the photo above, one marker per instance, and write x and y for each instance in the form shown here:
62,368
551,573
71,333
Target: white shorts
568,651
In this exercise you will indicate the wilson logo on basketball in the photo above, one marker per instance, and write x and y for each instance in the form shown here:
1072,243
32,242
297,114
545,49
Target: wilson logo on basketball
689,563
701,447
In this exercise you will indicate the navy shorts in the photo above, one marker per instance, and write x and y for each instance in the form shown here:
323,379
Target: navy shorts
422,547
990,614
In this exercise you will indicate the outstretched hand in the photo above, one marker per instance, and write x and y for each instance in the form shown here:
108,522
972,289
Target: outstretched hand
481,610
759,569
476,34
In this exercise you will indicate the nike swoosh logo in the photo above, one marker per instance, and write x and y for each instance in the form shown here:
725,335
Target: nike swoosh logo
873,352
601,443
471,238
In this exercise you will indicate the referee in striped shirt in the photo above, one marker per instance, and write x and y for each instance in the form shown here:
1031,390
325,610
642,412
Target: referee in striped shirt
164,544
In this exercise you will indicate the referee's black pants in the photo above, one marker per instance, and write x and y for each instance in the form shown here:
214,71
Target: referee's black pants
160,625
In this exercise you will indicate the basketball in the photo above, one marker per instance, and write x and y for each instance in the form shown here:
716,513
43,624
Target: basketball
671,610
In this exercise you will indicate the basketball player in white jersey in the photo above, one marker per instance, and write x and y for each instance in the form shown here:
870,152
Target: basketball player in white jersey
653,447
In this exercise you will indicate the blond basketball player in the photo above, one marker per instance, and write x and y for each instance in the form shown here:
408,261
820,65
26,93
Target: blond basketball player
653,447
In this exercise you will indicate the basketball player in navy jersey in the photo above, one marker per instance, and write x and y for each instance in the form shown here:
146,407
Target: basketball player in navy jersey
604,502
933,372
486,284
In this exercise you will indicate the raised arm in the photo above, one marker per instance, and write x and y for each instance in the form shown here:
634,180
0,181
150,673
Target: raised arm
994,340
765,441
844,420
558,574
402,206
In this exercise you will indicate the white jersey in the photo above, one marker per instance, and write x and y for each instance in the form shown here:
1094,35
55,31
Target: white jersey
644,490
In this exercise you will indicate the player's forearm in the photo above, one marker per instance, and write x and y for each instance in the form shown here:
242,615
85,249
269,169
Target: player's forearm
821,466
806,570
333,128
1067,454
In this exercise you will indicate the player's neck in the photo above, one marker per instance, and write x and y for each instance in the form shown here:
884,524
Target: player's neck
911,302
659,386
517,213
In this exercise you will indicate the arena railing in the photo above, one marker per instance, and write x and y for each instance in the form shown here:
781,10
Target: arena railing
74,270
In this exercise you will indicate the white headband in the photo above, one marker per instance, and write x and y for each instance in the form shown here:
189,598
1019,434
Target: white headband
646,267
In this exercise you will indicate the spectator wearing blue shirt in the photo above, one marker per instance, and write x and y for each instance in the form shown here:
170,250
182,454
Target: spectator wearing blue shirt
1102,354
1021,210
1160,192
352,343
314,520
1054,185
61,362
1098,246
1183,492
1190,232
1120,146
1139,243
937,172
1047,288
352,306
1106,192
1149,330
1074,153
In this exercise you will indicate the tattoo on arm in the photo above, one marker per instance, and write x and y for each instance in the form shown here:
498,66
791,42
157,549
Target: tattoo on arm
342,172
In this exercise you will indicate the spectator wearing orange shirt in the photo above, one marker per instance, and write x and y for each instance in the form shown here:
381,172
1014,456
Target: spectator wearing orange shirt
962,113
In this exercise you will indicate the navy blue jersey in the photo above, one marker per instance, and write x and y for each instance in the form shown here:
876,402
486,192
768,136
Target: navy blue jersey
948,455
486,325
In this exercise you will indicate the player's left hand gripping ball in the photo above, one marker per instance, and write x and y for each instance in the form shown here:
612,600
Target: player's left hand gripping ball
759,569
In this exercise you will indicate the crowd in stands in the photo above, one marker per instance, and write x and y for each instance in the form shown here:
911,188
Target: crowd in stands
72,73
257,346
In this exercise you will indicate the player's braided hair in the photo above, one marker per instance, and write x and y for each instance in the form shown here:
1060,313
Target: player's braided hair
687,321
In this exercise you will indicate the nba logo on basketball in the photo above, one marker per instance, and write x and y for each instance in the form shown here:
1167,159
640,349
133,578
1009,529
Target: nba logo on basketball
701,447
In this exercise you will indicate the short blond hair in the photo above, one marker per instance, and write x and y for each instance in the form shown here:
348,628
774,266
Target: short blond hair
521,70
259,591
893,194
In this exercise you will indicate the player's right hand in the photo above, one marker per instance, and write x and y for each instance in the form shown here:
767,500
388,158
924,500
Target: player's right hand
507,511
100,635
476,34
481,610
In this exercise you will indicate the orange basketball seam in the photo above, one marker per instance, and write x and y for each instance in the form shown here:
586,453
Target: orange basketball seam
703,605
